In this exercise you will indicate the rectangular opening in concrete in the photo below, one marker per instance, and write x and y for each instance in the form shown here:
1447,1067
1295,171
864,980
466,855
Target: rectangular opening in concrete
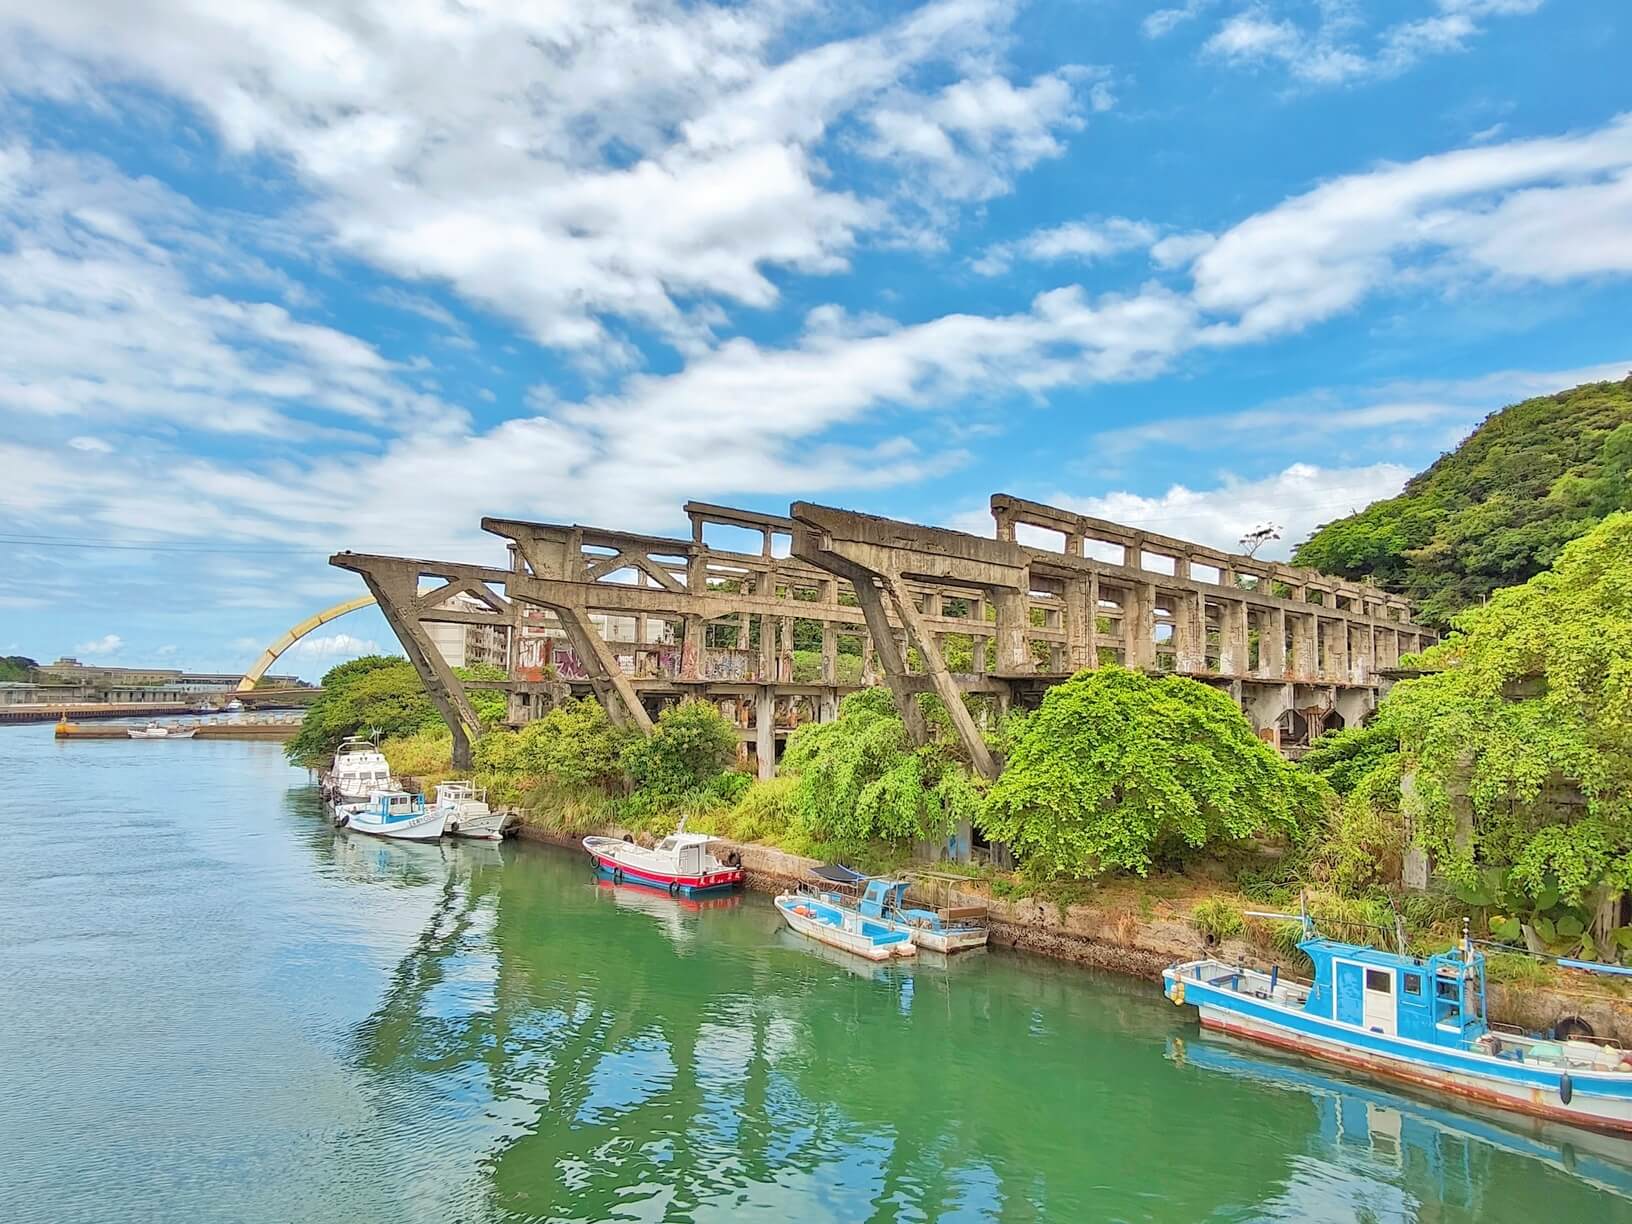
729,538
1107,551
1157,563
1206,573
1033,536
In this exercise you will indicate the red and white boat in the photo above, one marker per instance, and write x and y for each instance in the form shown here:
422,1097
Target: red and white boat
681,863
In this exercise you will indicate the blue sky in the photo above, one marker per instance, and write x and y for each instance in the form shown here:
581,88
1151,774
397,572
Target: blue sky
281,278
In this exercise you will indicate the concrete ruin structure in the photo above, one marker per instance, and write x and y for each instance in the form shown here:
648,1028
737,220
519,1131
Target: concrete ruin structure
642,621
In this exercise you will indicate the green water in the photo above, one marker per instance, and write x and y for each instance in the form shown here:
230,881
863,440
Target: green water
215,1007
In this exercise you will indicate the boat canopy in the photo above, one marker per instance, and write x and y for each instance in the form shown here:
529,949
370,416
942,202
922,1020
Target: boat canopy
838,873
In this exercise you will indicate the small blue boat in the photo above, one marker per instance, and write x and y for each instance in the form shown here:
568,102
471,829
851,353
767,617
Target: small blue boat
843,927
885,900
1417,1019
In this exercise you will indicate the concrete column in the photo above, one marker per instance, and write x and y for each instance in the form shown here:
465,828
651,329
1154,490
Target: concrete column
765,729
692,649
1189,632
1139,625
869,661
1091,620
1302,664
1272,644
1232,637
1362,653
767,649
784,662
1079,624
830,653
1013,619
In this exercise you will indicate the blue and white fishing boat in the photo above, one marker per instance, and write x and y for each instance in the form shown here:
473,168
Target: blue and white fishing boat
842,927
1412,1018
395,814
885,900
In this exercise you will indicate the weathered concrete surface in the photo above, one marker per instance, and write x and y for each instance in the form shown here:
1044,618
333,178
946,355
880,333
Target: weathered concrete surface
1122,942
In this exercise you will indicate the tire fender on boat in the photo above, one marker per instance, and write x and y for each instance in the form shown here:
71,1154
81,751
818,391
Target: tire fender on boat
1566,1089
617,875
342,820
674,888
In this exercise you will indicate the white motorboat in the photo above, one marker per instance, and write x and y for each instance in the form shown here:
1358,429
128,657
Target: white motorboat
359,770
394,814
467,812
155,730
233,706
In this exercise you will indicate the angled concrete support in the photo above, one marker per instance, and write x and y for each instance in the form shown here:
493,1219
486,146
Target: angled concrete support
935,664
612,687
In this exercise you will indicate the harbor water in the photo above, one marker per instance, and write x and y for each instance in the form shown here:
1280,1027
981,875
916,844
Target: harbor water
214,1006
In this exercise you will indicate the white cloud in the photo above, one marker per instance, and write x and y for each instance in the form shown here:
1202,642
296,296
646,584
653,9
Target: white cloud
1338,47
1538,210
1417,415
107,644
1163,22
1297,499
334,646
1083,241
165,652
974,136
567,164
93,446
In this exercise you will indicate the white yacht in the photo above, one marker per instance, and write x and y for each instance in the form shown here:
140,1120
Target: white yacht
155,730
359,770
393,813
468,815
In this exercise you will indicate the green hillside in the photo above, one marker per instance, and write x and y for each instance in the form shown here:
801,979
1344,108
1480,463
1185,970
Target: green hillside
1496,510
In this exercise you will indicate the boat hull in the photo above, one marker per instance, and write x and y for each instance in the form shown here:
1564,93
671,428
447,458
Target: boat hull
1600,1100
878,948
486,826
686,885
959,940
426,827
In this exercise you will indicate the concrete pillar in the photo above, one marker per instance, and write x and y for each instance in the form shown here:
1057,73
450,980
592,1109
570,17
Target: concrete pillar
1091,620
765,730
869,662
1302,664
1189,632
1013,619
830,653
1079,624
767,649
1139,625
1272,644
784,662
692,649
1232,637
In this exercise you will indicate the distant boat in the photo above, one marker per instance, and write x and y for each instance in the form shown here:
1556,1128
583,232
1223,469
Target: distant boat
681,863
233,706
1418,1019
467,812
395,814
155,731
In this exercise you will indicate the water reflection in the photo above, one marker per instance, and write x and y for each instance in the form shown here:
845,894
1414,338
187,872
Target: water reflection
1374,1132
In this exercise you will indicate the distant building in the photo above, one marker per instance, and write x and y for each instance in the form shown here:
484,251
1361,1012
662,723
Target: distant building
468,645
70,680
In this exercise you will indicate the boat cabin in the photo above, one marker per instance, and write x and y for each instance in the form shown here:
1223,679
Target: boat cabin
389,806
688,850
1438,1000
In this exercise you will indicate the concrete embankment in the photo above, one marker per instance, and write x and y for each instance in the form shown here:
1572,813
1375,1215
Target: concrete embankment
284,730
1115,939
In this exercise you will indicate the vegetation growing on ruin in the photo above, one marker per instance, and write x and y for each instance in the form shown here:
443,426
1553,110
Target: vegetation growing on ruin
380,694
17,668
1497,510
1118,771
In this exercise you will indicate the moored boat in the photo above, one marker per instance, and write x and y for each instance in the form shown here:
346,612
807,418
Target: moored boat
840,927
468,814
885,900
394,814
155,730
1417,1019
681,863
359,769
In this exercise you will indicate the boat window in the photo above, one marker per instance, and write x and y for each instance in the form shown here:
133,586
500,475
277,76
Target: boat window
668,844
1413,983
1379,981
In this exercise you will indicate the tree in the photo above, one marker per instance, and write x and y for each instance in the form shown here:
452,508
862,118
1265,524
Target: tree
690,744
1497,510
1120,771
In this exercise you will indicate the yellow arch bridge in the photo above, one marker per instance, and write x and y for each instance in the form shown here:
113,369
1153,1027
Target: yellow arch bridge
270,655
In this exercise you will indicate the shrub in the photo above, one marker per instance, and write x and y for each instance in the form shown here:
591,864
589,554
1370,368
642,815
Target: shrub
1117,771
691,743
1217,920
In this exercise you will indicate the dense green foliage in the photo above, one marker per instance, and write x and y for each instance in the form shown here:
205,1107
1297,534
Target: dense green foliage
1531,715
691,743
379,693
17,667
575,744
1119,771
859,780
1496,511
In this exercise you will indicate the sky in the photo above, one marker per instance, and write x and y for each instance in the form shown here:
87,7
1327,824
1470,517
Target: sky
284,277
